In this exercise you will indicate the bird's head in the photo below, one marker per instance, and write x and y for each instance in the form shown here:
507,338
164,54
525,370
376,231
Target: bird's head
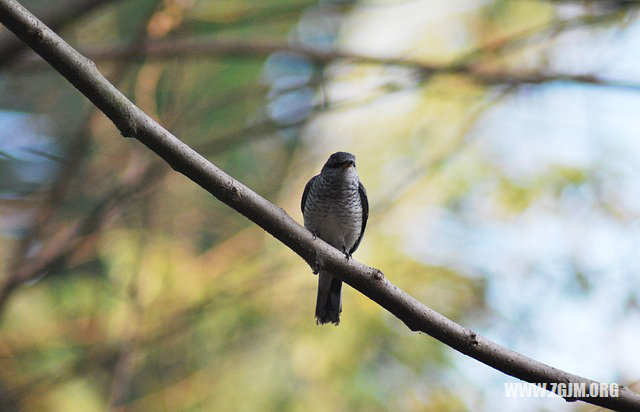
339,162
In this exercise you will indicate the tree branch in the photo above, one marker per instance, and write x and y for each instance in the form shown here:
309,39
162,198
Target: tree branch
252,49
132,122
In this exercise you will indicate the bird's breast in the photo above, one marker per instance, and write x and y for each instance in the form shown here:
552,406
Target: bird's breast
335,215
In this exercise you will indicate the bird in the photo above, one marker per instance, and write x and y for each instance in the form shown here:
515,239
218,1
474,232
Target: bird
335,208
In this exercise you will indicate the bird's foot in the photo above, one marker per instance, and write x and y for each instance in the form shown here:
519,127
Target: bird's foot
316,265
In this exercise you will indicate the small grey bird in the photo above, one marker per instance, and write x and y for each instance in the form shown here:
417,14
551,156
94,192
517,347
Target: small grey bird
335,209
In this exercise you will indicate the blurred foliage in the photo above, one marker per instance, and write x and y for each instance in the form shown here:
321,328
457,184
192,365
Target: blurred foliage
168,300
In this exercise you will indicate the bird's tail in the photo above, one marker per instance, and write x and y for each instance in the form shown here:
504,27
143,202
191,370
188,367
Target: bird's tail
329,303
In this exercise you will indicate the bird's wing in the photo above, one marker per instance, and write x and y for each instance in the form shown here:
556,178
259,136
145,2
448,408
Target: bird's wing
306,192
364,200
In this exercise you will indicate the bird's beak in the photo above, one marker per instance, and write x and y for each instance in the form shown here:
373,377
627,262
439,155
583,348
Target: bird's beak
348,164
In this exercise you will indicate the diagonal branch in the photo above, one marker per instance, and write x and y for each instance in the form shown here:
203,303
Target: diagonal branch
132,122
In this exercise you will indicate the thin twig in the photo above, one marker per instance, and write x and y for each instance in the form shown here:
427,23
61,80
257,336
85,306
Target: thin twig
252,49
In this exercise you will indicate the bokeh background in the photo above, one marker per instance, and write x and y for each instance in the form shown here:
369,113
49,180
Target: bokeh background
499,141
